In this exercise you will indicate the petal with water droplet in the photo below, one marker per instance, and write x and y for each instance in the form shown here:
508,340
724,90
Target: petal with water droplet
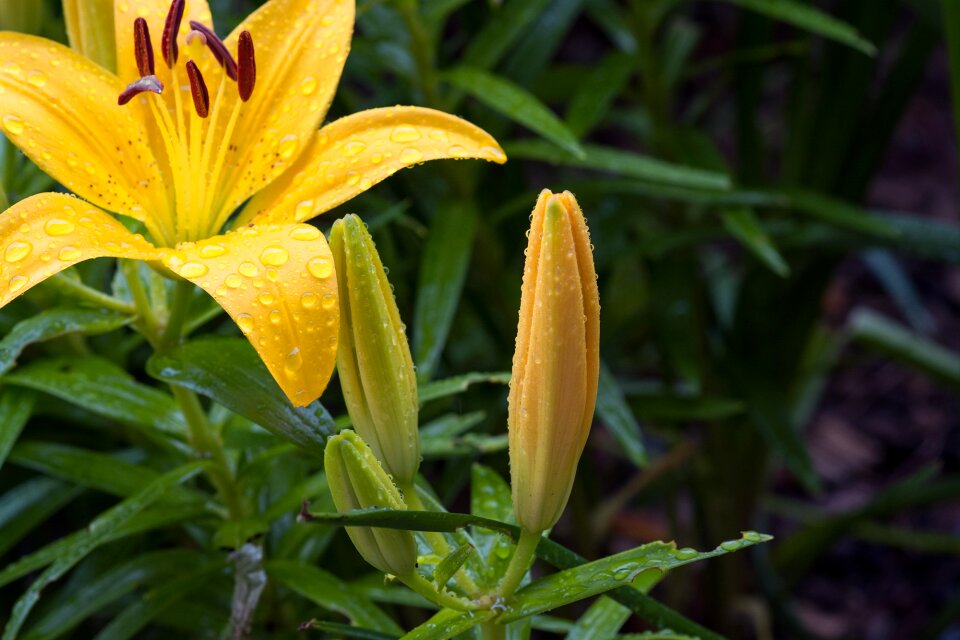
348,156
81,232
295,336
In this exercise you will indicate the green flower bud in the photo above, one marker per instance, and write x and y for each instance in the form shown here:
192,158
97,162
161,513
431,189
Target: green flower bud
373,360
357,481
23,16
90,29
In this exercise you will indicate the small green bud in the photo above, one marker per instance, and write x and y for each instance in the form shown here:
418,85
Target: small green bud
376,370
90,29
23,16
357,481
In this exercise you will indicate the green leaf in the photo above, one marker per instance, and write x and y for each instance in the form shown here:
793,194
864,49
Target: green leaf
680,408
839,213
602,621
28,504
16,405
619,419
450,386
451,564
593,99
744,226
448,623
337,630
54,323
624,163
609,573
230,372
951,28
501,31
103,388
325,590
905,346
542,41
97,533
516,103
807,17
490,497
443,269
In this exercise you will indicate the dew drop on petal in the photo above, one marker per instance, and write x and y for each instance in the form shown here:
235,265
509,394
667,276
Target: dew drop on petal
58,227
410,155
274,256
248,269
13,124
193,270
305,232
320,268
212,251
304,210
69,253
354,147
265,298
404,133
457,151
288,146
293,362
233,281
17,283
17,251
37,78
308,86
329,300
245,322
276,317
308,300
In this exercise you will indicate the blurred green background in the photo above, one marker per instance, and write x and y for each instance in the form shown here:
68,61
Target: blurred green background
772,192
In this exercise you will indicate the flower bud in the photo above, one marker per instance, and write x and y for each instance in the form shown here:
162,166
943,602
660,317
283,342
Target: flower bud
376,370
357,481
23,16
556,363
90,29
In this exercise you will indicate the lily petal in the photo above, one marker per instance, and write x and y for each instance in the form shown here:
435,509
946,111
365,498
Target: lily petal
61,110
46,233
278,284
352,154
91,31
301,47
155,13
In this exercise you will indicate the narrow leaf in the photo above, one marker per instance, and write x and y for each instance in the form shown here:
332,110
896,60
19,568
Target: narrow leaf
448,623
451,564
16,405
501,31
744,226
450,386
602,621
593,99
619,419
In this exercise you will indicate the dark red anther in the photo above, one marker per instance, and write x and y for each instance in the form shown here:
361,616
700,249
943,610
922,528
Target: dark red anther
171,29
146,83
218,49
143,47
198,89
246,66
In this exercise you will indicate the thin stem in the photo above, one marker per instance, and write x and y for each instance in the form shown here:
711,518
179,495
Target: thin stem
519,563
80,291
178,314
426,589
492,630
423,52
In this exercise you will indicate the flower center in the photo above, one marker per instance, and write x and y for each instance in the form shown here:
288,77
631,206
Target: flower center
196,142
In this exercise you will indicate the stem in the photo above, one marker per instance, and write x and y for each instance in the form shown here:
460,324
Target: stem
178,314
422,49
80,291
492,630
519,563
426,589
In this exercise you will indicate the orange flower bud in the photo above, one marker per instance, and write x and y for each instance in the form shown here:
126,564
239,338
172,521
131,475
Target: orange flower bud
556,363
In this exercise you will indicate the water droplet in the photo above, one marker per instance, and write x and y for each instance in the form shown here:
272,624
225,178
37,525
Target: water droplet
305,232
248,269
320,268
265,298
13,124
752,536
329,300
288,146
58,227
17,283
304,210
492,153
376,158
404,133
274,256
233,281
308,86
36,78
685,554
212,251
276,317
245,322
354,147
308,300
193,270
293,362
411,155
457,151
17,251
69,253
731,545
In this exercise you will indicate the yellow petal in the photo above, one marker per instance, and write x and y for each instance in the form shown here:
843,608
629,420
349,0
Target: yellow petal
47,233
90,30
278,284
352,154
61,110
155,13
301,46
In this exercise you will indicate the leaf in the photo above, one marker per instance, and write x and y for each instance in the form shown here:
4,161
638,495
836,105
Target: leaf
448,623
443,269
951,28
450,386
839,213
744,226
501,31
451,564
325,590
337,630
680,408
887,269
54,323
593,99
619,419
602,621
96,534
624,163
228,371
103,388
515,103
28,504
807,17
905,346
16,405
541,42
609,573
490,497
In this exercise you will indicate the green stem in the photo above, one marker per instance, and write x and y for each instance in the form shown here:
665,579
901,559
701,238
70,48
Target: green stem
519,563
492,630
76,289
426,589
178,314
423,52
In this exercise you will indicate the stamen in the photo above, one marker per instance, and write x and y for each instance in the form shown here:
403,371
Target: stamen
246,66
146,83
198,89
171,29
218,49
143,47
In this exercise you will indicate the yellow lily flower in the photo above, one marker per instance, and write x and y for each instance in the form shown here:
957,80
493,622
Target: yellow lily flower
201,127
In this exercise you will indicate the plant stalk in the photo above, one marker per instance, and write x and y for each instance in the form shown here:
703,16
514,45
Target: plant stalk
519,563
